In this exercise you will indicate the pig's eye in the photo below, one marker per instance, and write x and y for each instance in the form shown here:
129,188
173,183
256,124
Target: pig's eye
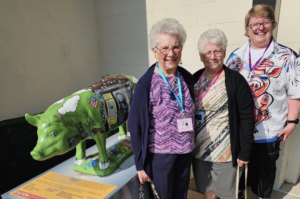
53,133
264,77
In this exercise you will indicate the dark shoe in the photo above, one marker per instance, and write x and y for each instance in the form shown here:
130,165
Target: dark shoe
241,195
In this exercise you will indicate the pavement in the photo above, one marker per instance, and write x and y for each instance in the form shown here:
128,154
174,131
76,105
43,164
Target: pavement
286,191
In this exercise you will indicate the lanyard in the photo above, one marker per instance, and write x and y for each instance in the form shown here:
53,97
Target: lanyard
179,87
250,65
200,97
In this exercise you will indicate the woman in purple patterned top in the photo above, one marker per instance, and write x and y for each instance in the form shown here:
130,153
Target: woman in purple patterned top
161,119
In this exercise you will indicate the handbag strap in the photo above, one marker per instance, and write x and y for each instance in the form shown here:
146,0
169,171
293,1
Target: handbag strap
237,181
142,194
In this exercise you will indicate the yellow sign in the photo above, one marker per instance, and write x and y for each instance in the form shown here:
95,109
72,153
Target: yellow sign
112,108
54,185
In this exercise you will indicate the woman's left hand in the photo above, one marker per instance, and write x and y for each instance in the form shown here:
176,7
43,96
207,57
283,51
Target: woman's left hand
241,162
143,177
293,113
286,131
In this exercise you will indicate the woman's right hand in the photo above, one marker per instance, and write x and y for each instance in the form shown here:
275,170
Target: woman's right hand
143,177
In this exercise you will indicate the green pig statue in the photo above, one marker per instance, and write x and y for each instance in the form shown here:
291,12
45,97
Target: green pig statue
90,113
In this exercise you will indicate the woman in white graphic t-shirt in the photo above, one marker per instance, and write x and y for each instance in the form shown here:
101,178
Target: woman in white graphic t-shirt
272,71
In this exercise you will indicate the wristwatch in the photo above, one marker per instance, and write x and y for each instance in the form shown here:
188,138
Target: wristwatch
293,121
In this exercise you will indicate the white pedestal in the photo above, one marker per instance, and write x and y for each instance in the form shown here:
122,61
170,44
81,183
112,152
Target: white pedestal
119,178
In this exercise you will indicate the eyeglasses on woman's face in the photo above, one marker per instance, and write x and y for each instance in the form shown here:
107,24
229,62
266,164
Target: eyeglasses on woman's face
256,25
217,53
166,50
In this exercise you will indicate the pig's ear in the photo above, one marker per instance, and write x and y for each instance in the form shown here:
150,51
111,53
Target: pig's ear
33,120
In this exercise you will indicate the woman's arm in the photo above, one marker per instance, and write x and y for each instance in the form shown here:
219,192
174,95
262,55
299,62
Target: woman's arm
294,104
293,114
246,116
135,127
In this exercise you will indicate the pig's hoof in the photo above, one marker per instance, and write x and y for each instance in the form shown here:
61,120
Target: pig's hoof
78,162
103,166
121,137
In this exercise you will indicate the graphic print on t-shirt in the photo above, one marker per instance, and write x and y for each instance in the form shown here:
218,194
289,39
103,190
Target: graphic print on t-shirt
259,83
278,81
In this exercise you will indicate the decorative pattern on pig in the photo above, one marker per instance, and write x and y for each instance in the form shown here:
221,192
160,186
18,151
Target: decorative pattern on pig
259,82
90,113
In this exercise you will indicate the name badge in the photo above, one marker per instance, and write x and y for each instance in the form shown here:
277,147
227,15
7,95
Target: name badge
185,124
199,116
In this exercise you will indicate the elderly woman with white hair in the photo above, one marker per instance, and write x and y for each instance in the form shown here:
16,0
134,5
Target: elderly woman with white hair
162,113
224,120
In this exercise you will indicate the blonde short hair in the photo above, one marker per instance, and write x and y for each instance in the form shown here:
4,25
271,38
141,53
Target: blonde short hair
260,10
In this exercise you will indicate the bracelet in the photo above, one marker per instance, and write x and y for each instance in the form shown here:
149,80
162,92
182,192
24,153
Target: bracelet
293,121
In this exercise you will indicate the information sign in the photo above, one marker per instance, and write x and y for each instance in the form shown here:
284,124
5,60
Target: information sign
58,186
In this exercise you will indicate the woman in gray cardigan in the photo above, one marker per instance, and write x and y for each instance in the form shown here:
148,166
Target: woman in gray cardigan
224,119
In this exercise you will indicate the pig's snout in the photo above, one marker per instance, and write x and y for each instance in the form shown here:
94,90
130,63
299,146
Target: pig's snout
36,155
255,85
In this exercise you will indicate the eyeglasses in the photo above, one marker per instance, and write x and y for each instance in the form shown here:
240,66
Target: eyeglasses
165,50
217,53
266,24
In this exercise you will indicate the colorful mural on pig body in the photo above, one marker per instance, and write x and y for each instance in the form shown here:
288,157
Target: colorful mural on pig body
87,114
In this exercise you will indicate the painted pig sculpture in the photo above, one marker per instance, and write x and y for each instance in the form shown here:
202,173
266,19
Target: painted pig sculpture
87,114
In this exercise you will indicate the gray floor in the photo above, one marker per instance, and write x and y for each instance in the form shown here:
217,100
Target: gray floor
286,191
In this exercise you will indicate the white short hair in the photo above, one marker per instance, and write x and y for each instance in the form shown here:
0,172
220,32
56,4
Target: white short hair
212,36
167,26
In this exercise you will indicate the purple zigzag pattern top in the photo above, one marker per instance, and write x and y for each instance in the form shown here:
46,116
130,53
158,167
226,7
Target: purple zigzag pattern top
163,114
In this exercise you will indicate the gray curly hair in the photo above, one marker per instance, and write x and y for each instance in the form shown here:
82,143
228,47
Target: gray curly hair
212,36
168,26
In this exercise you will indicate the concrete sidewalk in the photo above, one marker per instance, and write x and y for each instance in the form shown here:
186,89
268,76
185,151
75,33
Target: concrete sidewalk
286,191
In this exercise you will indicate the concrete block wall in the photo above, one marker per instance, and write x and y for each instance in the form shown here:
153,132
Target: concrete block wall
288,27
198,16
49,49
125,25
288,35
123,35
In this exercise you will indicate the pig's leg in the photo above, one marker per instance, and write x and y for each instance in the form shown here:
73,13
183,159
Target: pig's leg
80,150
122,131
80,153
101,145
